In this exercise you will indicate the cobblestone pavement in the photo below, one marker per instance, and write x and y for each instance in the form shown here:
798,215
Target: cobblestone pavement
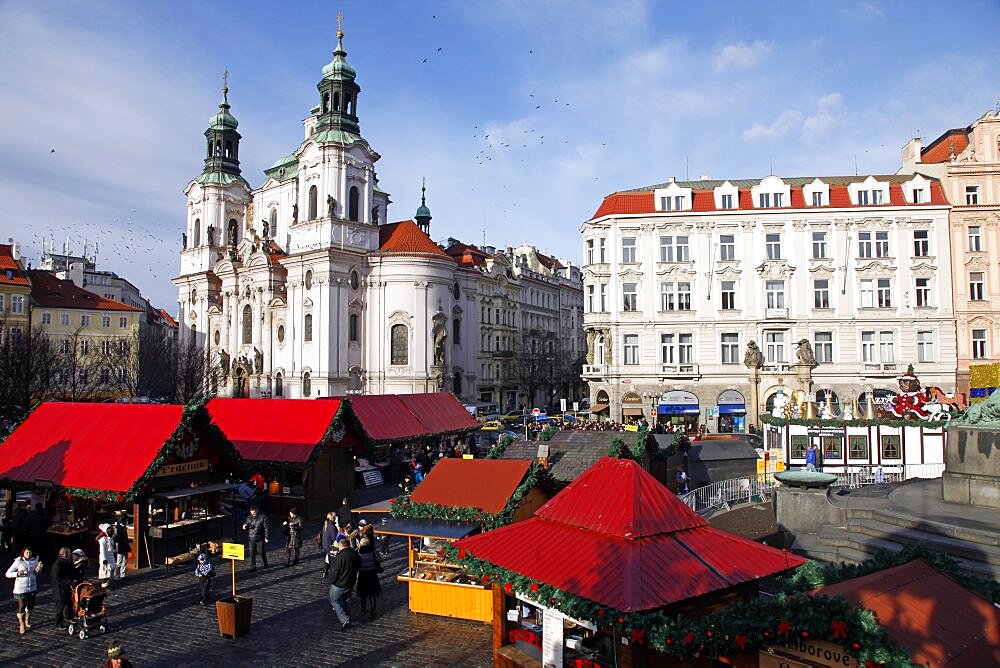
156,618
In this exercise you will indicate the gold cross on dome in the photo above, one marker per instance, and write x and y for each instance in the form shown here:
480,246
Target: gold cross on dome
340,24
225,81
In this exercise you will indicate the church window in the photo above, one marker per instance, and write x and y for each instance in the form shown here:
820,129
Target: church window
229,149
194,295
309,279
196,239
456,331
279,391
399,345
313,202
326,102
352,203
457,383
353,102
307,333
355,280
274,222
306,385
218,337
352,328
233,232
208,153
218,148
336,102
247,324
281,333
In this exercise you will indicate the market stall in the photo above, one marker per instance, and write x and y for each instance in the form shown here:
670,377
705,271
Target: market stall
298,446
166,468
459,497
597,575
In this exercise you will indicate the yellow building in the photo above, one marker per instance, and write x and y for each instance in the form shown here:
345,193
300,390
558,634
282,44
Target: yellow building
15,292
91,343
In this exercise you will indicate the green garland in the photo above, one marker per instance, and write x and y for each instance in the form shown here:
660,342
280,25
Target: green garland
547,433
500,447
736,628
643,445
882,422
538,476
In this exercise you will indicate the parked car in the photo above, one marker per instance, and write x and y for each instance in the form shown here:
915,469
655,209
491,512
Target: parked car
513,416
492,425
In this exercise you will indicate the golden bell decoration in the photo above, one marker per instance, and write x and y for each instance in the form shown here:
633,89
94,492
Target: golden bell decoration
810,410
869,408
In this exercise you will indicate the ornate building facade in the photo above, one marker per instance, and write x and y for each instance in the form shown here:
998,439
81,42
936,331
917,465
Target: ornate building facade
703,300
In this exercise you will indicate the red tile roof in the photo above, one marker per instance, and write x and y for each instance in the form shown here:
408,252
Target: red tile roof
406,238
616,536
386,417
942,148
105,447
168,319
9,264
466,255
940,621
49,291
277,430
703,196
486,484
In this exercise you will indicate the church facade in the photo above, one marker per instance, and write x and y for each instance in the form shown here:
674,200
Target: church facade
299,288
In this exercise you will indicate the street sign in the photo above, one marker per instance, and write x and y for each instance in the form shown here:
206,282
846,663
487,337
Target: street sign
562,405
232,551
536,411
576,406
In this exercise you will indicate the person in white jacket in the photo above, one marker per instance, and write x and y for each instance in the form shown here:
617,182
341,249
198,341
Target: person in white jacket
23,572
107,556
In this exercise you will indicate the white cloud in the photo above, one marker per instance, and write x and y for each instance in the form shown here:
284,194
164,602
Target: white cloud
742,56
828,115
786,122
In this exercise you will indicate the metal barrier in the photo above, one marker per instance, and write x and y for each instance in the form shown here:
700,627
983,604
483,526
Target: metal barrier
859,476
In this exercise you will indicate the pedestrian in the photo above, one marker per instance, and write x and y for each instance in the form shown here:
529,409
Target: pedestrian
23,572
811,458
370,566
344,513
681,477
107,559
418,474
80,564
343,577
116,657
328,558
204,571
879,475
258,529
293,537
120,528
63,577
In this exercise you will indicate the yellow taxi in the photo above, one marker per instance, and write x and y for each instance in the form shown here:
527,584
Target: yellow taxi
492,425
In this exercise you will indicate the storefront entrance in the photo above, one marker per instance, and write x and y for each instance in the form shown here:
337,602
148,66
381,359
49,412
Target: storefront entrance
631,408
732,412
678,409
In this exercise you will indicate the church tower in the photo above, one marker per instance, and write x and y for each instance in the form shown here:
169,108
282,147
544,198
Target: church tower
423,214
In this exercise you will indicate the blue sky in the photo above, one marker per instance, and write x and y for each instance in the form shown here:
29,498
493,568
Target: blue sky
578,99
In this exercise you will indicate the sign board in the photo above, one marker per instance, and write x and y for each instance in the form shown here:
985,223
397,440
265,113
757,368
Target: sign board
807,653
196,466
372,477
562,405
882,399
731,397
576,406
826,431
233,551
626,381
536,411
711,411
552,638
468,457
631,427
679,398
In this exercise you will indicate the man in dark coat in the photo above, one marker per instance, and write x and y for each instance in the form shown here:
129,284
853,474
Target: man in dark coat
343,575
258,530
63,577
344,513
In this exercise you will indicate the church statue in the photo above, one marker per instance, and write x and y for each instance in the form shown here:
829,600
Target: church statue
211,235
258,361
439,335
374,215
591,336
266,227
753,359
804,352
331,206
295,213
184,240
607,347
233,228
224,362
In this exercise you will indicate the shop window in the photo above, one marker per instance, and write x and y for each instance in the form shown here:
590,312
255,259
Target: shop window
833,447
857,446
890,446
799,445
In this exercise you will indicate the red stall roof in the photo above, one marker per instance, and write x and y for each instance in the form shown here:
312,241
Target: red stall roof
486,484
105,447
940,621
277,430
618,537
385,417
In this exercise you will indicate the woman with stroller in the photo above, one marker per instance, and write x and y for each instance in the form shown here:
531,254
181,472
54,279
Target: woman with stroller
23,572
64,575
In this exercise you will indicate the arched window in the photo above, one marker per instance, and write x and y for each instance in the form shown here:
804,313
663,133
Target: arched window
326,102
306,385
247,324
352,203
208,153
274,221
196,239
336,101
307,333
399,345
354,103
313,202
229,149
234,232
218,148
279,391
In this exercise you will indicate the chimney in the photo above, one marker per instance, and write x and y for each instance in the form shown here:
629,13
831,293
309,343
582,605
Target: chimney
706,177
672,179
15,250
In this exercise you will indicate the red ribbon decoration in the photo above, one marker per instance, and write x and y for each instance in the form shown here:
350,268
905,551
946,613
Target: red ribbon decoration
839,628
461,554
534,586
508,587
638,636
784,628
741,641
688,638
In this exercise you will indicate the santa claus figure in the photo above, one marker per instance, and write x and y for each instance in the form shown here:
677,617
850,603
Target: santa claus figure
911,398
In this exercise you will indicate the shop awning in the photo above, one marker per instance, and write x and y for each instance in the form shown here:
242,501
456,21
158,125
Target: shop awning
677,409
599,408
439,412
632,410
616,536
101,447
409,526
486,484
732,409
194,491
277,430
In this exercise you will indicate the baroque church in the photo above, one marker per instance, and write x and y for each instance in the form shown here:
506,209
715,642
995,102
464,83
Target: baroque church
299,287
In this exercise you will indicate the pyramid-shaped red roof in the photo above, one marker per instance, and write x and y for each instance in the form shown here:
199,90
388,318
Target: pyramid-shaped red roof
618,498
617,537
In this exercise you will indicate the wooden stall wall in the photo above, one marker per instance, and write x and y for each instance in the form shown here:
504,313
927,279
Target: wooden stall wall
330,479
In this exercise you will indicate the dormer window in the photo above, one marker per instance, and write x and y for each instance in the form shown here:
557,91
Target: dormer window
675,203
726,196
726,201
918,195
673,198
771,192
873,193
817,199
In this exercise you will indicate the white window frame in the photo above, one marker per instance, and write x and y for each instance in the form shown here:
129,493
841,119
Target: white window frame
630,349
823,347
668,348
729,343
883,287
921,245
864,244
17,304
630,298
726,200
971,195
977,286
774,344
975,238
728,299
868,348
774,294
922,291
980,341
925,346
821,293
602,250
866,293
685,348
886,347
882,244
727,247
772,244
628,250
819,246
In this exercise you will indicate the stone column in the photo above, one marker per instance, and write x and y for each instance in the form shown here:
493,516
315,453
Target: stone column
754,406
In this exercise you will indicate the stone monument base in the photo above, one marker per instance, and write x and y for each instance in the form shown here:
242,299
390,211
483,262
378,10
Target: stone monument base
972,466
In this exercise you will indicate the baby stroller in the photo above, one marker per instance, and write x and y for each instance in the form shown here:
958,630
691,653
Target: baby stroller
88,610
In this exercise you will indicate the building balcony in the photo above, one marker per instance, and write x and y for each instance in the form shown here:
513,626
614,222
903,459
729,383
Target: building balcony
679,370
878,368
593,369
777,367
776,313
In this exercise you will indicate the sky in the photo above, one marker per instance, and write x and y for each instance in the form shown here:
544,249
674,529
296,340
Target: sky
520,114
